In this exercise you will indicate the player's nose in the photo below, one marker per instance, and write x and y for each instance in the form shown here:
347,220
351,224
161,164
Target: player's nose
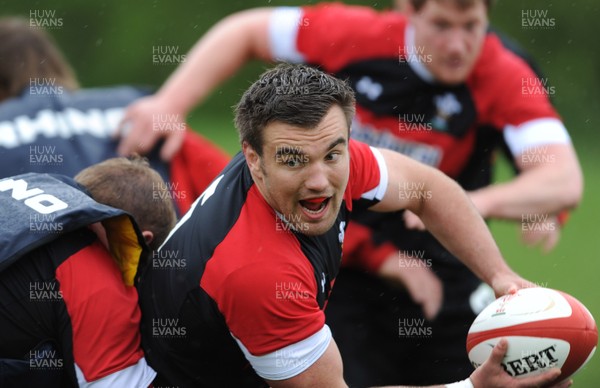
456,43
316,179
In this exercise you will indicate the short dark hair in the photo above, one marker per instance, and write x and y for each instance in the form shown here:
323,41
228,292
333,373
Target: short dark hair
293,94
462,4
26,53
132,185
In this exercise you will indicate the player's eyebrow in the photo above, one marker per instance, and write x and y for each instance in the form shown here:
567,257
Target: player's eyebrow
335,143
289,150
295,150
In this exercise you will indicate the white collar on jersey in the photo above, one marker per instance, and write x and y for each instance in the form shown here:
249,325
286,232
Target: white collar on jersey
413,61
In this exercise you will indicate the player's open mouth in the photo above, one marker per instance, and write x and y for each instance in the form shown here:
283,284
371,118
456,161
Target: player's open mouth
455,62
314,207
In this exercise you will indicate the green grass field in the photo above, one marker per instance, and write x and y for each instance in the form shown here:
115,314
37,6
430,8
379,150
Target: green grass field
573,266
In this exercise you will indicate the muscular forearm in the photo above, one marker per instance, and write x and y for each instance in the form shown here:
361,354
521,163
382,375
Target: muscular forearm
217,56
552,182
454,221
446,211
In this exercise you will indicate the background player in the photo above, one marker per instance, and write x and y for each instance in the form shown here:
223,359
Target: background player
69,313
367,313
50,125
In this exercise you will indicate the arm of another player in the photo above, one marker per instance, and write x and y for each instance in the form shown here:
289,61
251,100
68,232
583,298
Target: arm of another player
363,251
218,55
422,284
544,232
450,216
550,181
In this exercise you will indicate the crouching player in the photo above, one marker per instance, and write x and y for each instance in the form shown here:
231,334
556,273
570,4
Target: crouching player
69,313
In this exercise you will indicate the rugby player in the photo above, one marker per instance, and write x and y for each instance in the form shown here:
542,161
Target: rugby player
48,124
263,244
69,314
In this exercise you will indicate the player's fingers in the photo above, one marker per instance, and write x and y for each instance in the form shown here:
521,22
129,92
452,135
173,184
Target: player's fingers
412,221
428,304
126,144
432,306
512,289
542,379
551,241
563,384
172,145
438,297
137,141
124,125
499,351
145,141
531,238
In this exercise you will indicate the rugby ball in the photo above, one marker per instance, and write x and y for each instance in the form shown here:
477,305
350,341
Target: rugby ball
545,328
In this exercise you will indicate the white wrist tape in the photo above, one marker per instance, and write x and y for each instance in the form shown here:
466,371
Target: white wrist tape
461,384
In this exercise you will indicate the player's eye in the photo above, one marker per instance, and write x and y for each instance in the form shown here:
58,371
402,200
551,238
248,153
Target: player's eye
441,25
293,162
332,156
470,27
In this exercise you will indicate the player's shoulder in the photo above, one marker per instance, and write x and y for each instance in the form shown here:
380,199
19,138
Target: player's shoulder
89,271
358,12
222,200
496,61
368,173
258,243
92,261
209,222
259,240
360,154
252,262
366,20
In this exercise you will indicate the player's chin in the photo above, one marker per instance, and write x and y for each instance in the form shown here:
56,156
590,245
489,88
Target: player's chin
318,228
454,74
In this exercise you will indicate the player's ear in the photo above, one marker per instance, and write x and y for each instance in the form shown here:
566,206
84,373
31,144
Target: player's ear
252,159
148,236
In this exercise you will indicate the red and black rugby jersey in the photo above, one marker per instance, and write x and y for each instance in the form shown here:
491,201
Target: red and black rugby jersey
234,271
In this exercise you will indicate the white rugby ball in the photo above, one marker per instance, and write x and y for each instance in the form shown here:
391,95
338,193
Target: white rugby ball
545,328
